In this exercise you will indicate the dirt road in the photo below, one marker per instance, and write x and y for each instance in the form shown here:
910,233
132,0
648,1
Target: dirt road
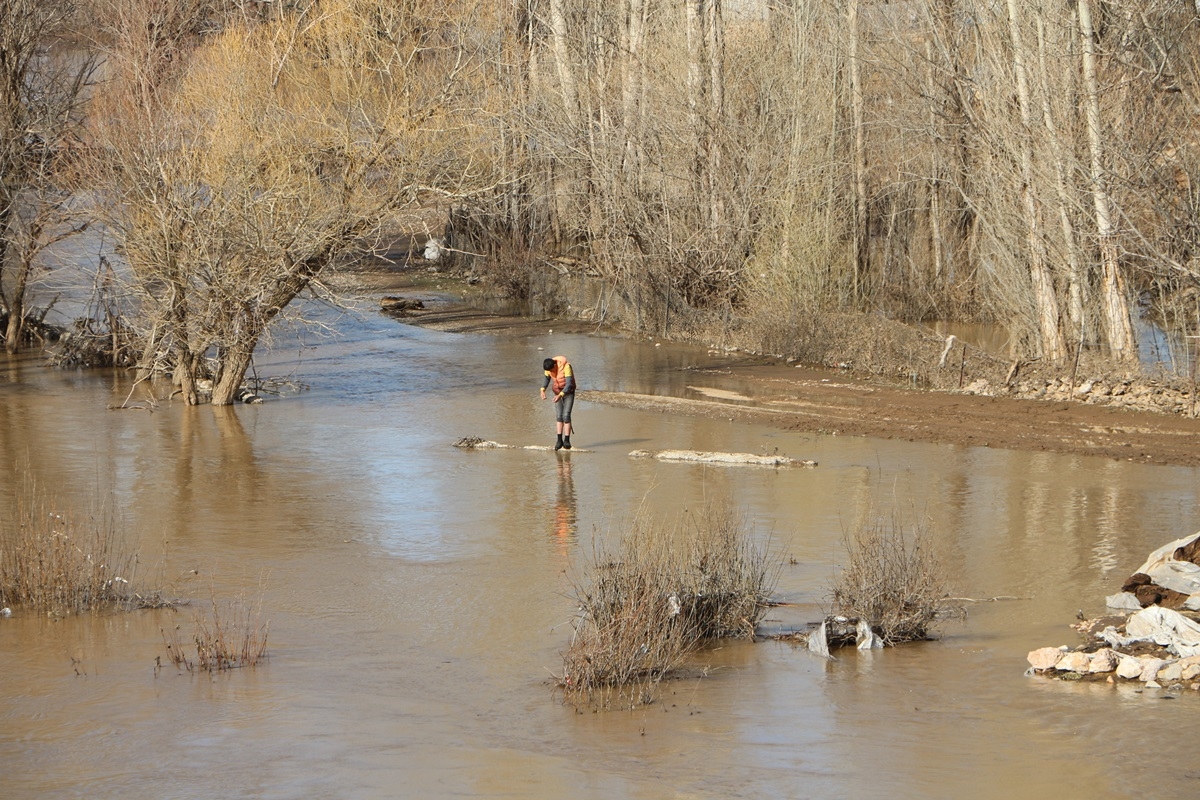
824,401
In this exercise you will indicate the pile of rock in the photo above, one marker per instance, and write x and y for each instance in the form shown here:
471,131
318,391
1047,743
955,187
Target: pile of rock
1158,644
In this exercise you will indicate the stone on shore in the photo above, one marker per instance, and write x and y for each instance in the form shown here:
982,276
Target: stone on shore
1045,658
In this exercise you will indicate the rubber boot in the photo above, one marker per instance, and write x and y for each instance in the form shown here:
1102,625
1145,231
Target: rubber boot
566,442
559,444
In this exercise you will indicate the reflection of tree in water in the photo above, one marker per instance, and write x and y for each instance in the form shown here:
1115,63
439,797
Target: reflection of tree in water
564,504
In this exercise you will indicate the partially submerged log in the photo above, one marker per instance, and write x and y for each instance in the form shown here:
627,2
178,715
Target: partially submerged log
732,459
401,305
477,443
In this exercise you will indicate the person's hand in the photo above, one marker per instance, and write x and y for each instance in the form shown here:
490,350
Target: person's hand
557,397
543,394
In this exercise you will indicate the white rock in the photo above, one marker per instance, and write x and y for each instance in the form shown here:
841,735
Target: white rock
1171,673
1130,668
1103,661
1044,658
1074,662
1150,668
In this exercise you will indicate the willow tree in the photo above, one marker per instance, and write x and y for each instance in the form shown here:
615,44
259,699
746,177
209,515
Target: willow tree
41,96
279,151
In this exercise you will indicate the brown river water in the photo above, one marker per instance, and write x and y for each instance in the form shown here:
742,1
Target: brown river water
418,595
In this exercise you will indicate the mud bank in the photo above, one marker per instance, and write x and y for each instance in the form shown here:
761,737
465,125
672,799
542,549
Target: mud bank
906,392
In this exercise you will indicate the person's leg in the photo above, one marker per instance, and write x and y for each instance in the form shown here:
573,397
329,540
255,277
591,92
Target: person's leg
567,402
558,424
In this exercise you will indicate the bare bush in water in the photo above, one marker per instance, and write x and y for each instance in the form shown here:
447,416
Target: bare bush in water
646,608
63,563
230,634
893,581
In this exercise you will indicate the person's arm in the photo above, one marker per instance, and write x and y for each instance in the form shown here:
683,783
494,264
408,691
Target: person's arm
545,383
569,386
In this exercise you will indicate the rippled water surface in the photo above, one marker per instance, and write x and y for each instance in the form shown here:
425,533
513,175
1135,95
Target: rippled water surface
418,594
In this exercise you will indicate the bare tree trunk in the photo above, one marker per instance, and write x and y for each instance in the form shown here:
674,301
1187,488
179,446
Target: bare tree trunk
695,85
633,27
714,23
1041,281
936,242
562,61
185,375
234,365
861,237
16,322
1076,279
1117,324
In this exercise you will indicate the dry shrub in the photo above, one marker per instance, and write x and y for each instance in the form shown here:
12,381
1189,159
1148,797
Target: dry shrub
893,581
646,608
62,563
229,635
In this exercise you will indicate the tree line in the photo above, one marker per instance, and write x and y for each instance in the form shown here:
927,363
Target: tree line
1025,163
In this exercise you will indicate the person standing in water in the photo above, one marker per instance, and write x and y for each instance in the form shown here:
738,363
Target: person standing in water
561,378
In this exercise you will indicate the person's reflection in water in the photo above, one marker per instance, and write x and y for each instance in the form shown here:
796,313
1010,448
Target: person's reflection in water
564,505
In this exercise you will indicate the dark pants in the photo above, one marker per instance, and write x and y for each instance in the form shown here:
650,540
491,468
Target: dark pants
562,408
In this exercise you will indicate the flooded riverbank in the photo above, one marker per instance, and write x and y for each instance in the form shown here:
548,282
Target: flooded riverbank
418,593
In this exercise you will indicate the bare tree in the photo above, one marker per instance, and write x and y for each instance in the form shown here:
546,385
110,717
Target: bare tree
277,152
1117,325
41,97
1042,282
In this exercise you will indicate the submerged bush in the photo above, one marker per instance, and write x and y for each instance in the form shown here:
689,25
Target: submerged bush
893,581
230,634
60,563
646,608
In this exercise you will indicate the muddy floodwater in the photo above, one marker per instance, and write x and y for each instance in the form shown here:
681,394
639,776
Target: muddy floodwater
418,595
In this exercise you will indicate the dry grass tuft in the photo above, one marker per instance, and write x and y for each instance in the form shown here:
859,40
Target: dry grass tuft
894,581
645,609
231,634
61,563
